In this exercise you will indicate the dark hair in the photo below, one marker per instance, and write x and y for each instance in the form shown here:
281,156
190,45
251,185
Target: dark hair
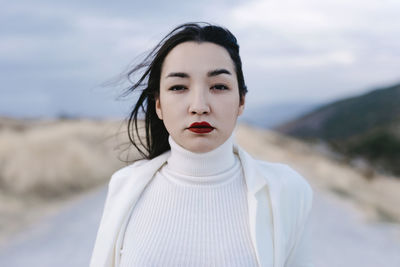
155,132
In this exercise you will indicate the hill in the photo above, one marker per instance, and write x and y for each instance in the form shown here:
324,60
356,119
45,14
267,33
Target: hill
268,116
62,159
366,126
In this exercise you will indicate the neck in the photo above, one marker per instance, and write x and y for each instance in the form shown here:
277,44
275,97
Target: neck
209,163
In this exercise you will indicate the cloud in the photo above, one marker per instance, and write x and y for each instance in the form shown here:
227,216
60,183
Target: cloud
313,16
303,61
357,40
290,49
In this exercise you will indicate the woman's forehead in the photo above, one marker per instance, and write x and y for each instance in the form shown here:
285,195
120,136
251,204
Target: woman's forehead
197,57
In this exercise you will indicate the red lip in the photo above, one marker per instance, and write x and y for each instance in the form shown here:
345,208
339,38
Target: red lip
200,124
201,127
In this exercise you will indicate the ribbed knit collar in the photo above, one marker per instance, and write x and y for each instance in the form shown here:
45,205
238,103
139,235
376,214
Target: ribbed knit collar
210,163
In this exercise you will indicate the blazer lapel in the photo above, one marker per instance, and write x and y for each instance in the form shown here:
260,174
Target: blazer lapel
120,201
263,203
263,196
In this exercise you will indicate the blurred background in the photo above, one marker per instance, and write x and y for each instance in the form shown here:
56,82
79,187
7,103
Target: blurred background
324,94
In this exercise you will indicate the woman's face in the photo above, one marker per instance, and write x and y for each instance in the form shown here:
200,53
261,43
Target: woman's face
198,84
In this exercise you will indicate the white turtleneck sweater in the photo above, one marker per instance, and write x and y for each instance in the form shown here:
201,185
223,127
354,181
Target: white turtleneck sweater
193,213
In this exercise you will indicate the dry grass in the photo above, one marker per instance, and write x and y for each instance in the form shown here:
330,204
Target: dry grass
45,162
42,163
58,158
377,195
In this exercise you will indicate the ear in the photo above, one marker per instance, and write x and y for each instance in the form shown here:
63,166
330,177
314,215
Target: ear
158,108
241,105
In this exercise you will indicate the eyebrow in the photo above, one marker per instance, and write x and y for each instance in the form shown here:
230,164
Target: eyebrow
211,73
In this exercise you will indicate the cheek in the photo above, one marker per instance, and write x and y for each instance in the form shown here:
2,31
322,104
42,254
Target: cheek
172,111
227,108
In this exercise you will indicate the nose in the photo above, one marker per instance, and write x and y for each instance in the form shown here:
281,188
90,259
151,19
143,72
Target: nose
199,102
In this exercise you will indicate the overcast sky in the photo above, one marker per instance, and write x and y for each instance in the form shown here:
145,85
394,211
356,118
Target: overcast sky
54,55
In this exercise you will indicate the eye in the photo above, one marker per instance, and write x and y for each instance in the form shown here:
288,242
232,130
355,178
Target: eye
220,87
177,88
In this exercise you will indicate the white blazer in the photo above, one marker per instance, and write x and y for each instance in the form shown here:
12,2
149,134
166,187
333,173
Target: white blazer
279,203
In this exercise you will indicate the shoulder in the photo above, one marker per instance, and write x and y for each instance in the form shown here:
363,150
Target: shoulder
293,187
120,177
288,178
126,171
135,171
278,175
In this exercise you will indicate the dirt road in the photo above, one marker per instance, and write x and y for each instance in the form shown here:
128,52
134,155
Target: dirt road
341,237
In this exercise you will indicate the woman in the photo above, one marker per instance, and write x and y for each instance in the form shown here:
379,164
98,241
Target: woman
198,199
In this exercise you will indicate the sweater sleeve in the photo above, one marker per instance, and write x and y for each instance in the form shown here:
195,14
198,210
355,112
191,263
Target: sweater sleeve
100,256
301,253
105,238
98,252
